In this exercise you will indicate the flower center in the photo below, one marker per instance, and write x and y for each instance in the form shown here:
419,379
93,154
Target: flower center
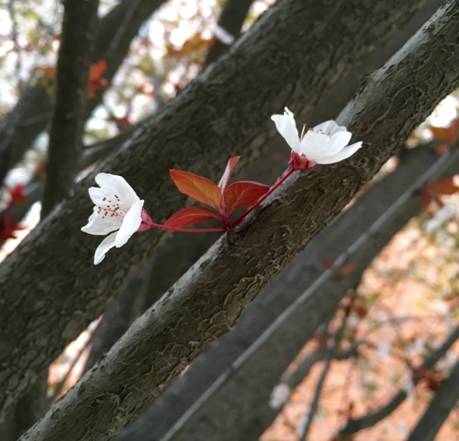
110,207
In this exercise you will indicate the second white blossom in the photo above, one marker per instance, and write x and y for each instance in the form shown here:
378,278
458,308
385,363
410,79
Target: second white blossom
325,143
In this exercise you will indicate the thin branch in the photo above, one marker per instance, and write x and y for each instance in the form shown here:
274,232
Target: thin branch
78,28
369,420
441,405
17,48
228,27
333,347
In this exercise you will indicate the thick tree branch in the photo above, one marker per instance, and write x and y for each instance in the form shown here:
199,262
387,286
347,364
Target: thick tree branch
209,298
30,116
64,148
231,20
227,379
369,420
441,405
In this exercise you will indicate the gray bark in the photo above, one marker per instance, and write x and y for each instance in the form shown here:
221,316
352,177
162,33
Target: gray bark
210,297
64,151
59,256
441,405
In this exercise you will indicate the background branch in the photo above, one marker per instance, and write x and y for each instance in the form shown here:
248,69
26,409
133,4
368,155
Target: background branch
232,18
369,420
20,127
72,74
441,405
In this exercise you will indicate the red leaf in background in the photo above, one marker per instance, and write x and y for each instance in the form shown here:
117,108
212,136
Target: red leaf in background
442,148
231,164
122,122
432,192
445,186
243,193
97,70
449,135
190,216
440,133
96,77
197,187
17,194
7,227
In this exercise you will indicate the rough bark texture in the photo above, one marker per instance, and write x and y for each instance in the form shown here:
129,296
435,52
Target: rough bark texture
231,20
209,298
27,411
441,405
372,418
66,130
59,256
20,127
120,313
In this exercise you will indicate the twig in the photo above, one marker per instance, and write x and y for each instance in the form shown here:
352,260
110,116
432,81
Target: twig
439,408
17,48
372,418
334,345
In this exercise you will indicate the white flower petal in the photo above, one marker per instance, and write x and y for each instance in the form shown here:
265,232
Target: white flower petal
114,184
329,127
97,195
99,226
338,141
107,244
131,223
286,126
343,154
314,145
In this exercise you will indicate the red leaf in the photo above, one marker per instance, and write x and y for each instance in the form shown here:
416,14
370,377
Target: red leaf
442,148
97,70
17,194
231,164
197,187
190,216
96,78
445,186
243,193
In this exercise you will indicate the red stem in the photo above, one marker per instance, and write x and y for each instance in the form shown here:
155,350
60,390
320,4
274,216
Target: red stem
187,230
279,182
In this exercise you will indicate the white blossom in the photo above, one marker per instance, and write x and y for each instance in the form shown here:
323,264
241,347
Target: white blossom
324,144
117,212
